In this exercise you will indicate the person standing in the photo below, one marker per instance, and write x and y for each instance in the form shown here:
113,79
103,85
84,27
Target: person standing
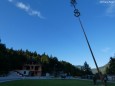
105,80
94,79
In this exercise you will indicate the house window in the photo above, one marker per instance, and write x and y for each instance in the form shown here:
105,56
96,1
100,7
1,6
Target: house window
28,67
24,72
36,72
32,67
36,67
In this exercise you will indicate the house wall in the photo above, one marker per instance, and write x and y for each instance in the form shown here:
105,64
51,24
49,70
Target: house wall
111,78
24,72
33,69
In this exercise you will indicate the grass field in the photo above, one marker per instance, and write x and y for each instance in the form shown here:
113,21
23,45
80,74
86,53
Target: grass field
51,83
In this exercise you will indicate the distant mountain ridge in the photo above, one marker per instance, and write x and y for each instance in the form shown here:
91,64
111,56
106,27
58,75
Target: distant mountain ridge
94,70
102,69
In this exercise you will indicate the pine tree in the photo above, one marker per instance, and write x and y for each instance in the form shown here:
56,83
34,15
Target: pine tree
111,69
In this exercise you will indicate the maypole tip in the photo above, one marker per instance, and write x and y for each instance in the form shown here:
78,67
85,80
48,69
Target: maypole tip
76,11
73,2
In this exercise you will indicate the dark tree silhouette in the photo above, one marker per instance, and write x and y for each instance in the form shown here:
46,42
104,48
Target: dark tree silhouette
111,68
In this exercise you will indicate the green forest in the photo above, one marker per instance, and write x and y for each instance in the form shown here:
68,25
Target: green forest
11,59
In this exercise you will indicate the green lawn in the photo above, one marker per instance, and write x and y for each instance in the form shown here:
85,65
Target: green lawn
51,83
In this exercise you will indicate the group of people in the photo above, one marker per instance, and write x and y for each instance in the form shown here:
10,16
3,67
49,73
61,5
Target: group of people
103,79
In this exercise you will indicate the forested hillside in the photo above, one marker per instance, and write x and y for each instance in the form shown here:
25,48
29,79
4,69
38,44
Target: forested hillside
11,59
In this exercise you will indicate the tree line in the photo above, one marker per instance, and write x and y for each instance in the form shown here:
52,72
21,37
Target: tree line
11,59
110,69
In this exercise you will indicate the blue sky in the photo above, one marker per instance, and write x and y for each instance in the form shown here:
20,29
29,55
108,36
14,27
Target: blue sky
49,26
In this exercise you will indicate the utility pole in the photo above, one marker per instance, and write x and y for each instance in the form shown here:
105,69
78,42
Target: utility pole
77,14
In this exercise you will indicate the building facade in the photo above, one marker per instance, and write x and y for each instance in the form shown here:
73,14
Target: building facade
31,70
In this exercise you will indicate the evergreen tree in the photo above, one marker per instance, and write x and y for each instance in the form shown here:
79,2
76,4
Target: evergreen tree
111,68
44,58
86,69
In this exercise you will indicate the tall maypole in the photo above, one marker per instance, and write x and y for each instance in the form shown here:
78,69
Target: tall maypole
77,14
